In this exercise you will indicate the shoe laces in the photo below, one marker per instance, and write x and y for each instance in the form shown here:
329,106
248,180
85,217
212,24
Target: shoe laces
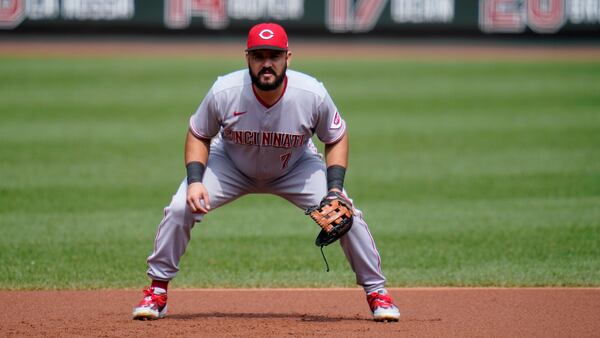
151,297
378,300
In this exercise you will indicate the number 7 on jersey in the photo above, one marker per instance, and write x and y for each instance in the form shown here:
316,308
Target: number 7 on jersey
285,158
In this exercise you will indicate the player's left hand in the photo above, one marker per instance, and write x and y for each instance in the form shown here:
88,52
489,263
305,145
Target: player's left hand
337,194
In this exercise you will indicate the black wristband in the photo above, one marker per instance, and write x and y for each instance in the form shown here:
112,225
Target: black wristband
195,171
335,177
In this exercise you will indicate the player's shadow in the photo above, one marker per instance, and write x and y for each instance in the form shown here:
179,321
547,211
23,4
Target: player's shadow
239,315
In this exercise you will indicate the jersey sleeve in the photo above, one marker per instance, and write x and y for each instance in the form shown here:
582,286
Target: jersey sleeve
330,127
205,122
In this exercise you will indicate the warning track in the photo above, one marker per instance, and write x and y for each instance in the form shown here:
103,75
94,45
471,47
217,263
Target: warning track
303,49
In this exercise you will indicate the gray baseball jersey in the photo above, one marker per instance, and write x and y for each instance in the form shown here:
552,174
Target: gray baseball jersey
266,141
263,149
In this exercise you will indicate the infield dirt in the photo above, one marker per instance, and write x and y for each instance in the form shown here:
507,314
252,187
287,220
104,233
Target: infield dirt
428,312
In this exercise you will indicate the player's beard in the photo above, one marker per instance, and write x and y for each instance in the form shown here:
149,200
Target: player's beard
268,86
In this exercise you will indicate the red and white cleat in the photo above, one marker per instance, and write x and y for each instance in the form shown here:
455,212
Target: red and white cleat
382,306
152,306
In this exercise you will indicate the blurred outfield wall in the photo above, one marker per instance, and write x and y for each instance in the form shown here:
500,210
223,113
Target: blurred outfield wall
319,17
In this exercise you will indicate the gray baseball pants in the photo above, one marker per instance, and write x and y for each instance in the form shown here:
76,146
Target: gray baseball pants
304,185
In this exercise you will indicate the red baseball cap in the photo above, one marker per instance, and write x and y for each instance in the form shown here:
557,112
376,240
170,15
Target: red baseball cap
267,36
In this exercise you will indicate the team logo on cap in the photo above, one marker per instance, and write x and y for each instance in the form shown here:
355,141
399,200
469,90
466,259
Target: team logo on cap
266,34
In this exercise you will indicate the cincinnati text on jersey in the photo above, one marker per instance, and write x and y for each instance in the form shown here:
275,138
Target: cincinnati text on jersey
264,139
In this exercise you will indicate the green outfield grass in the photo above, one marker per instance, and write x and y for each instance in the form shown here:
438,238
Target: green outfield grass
469,174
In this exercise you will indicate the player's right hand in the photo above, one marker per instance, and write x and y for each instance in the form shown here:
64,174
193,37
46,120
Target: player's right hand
197,198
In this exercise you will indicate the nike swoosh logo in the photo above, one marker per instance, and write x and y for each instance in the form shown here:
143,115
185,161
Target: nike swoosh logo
238,113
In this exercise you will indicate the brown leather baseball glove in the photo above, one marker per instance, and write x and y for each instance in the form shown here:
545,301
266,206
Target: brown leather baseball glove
333,215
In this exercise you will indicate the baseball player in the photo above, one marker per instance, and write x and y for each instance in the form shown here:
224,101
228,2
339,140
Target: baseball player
252,134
